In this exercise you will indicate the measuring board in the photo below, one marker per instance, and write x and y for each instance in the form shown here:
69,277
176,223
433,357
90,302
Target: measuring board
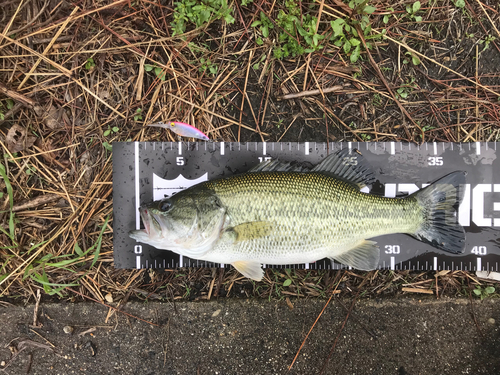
143,172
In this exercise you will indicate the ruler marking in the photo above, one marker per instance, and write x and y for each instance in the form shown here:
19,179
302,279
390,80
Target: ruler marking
137,188
141,152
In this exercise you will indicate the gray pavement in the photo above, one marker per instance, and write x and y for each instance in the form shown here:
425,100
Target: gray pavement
387,336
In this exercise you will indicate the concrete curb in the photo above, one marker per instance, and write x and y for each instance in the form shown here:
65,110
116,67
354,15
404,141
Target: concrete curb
259,337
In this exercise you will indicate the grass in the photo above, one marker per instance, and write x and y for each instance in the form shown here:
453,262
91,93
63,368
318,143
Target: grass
76,79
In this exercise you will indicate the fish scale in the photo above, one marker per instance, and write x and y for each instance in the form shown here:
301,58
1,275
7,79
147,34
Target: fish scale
314,215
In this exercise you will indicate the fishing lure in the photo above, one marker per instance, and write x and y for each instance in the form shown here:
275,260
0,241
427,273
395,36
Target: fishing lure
182,129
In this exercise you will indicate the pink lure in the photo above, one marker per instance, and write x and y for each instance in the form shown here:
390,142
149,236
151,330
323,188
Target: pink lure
183,129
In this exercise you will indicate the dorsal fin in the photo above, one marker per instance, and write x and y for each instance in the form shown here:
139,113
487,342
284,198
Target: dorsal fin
348,165
279,166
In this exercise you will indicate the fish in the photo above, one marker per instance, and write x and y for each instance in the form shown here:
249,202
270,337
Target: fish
281,213
182,129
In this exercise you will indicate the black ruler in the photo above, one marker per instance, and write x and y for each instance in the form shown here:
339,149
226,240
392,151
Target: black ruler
148,171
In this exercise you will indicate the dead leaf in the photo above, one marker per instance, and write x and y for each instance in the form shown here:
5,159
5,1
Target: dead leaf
18,139
53,117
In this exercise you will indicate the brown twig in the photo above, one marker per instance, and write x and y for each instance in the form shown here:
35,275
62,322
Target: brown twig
112,307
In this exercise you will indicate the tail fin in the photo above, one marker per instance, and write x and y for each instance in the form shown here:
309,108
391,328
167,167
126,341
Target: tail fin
440,201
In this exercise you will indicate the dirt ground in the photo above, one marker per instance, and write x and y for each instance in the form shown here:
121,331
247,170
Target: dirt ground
77,76
404,336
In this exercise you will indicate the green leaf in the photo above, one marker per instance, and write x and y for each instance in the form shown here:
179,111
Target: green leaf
265,31
106,132
287,282
416,6
107,146
8,186
255,23
337,26
477,292
115,129
355,54
355,42
415,60
369,9
78,250
9,103
259,41
490,290
347,46
460,3
418,19
386,18
148,67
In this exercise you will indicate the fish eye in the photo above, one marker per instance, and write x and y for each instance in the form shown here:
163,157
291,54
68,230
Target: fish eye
172,124
165,206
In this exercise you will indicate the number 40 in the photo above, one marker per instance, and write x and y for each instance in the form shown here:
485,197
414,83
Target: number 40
479,250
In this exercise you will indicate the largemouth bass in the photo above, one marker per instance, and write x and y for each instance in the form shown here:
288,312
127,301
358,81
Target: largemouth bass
281,213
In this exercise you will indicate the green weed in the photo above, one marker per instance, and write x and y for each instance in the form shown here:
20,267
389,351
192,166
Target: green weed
90,63
207,65
483,293
11,233
37,270
412,10
138,114
199,12
487,41
345,33
111,130
157,70
9,103
264,24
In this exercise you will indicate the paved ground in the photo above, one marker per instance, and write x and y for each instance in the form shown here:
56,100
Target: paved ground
407,336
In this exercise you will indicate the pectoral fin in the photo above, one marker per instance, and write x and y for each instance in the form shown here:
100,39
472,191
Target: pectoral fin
252,230
364,256
252,270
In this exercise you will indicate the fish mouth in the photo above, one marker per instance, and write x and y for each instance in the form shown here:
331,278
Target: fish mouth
152,224
145,216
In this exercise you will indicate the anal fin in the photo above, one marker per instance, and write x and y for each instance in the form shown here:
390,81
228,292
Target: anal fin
248,268
364,256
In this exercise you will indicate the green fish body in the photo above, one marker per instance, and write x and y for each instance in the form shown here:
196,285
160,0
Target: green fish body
279,214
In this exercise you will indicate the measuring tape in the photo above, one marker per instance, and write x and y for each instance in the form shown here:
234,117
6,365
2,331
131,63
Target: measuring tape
143,172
